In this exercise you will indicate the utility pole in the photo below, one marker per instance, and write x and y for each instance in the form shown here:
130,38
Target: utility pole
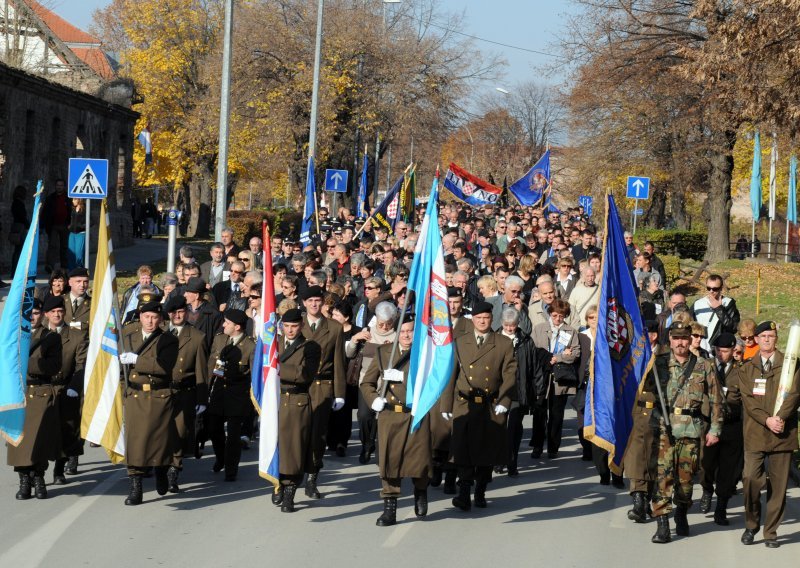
312,137
224,119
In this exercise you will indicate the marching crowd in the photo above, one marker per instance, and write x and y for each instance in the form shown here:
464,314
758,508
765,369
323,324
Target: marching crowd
523,289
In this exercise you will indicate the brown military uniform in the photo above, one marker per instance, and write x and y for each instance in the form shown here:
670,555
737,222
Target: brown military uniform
190,385
298,366
641,453
759,390
78,319
150,433
401,453
74,346
41,440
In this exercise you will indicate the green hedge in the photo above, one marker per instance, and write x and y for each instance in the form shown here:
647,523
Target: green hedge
683,244
247,224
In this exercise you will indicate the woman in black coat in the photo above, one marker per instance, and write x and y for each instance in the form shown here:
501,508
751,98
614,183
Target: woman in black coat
19,224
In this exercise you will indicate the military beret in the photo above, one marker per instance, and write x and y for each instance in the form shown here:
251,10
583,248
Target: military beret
236,316
37,304
651,326
196,285
454,292
313,292
725,340
409,318
150,307
766,326
292,316
52,303
175,303
79,271
679,329
482,308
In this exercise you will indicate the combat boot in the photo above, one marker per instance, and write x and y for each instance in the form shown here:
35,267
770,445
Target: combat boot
72,466
436,478
24,492
135,494
420,502
480,495
449,482
311,487
462,500
277,496
638,514
287,505
58,472
705,503
681,522
172,479
662,535
721,512
389,516
39,486
162,481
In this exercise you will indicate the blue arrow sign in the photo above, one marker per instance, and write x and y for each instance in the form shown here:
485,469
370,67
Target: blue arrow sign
88,178
638,187
336,180
586,201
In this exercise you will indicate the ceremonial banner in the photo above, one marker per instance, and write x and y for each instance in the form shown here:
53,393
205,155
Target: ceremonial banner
362,207
408,194
385,214
755,180
531,187
471,189
310,209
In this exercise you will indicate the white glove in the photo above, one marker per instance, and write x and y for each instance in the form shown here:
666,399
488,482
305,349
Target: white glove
200,409
338,403
393,376
128,358
500,409
72,393
378,404
447,415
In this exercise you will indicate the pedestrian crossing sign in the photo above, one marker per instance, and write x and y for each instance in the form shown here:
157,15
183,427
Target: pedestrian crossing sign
88,178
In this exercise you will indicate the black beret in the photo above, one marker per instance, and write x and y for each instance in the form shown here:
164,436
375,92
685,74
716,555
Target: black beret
151,307
766,326
196,285
679,329
454,292
725,340
79,271
292,316
175,303
409,318
482,308
236,316
313,292
52,303
651,326
37,304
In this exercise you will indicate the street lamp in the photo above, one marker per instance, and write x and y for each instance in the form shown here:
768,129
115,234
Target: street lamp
224,119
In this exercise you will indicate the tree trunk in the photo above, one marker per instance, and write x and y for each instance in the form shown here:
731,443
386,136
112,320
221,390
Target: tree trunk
198,201
654,216
719,198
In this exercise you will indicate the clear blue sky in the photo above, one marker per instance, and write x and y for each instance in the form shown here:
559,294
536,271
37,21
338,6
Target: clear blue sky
532,24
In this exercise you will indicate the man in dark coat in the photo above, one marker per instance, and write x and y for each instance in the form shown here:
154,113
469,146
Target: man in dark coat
199,313
78,303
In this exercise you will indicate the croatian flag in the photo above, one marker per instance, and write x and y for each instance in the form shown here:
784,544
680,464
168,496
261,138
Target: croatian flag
266,385
433,352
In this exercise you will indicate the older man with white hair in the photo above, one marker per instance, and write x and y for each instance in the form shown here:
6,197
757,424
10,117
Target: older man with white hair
585,294
511,298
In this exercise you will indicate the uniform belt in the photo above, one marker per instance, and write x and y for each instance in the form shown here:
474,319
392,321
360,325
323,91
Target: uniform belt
37,382
184,385
147,387
645,404
398,408
321,380
478,396
692,412
289,388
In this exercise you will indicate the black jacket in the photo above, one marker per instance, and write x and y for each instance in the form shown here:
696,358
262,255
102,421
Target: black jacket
533,368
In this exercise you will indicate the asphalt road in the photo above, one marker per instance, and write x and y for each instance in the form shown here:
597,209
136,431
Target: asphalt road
554,514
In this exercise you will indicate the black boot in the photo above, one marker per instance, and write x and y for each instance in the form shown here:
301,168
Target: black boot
72,466
24,486
449,482
389,516
681,522
705,503
662,535
420,502
638,514
39,487
172,479
135,494
277,496
462,500
58,472
311,487
436,479
162,481
287,505
480,495
721,512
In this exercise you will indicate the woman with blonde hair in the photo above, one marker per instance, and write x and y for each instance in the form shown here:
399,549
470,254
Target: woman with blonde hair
699,333
747,332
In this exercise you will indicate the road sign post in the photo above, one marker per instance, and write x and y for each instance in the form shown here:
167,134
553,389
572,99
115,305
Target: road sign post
638,188
336,183
88,179
172,231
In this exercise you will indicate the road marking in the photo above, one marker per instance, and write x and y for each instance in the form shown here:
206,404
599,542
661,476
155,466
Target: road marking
400,531
32,550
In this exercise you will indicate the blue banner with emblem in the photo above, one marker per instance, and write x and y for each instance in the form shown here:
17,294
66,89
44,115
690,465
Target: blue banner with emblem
531,187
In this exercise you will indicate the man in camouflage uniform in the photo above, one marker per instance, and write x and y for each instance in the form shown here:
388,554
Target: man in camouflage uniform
686,385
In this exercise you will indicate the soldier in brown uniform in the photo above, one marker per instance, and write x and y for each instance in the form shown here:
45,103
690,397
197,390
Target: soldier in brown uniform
189,383
42,429
328,389
229,365
769,436
477,399
150,434
299,362
401,453
68,384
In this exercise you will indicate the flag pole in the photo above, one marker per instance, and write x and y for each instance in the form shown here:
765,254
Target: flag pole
786,256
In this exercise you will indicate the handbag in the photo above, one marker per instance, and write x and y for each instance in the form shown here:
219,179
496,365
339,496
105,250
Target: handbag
354,368
565,374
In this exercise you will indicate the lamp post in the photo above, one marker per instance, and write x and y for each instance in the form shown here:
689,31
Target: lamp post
224,119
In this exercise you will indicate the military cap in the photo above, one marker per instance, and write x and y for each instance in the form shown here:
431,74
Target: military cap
482,308
175,303
292,316
52,303
37,304
236,316
79,271
196,285
454,292
766,326
679,329
724,340
150,307
313,292
146,296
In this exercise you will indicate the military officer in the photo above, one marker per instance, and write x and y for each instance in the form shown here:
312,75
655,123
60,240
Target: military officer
477,400
68,384
189,383
150,434
77,304
328,389
401,453
229,398
721,465
770,435
687,384
42,428
299,362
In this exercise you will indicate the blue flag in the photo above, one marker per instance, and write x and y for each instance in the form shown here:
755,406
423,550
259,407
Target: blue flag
433,350
755,180
531,187
621,349
310,208
15,333
362,208
385,214
791,207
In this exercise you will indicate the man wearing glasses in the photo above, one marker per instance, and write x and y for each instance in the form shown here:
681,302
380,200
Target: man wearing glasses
224,291
501,240
715,311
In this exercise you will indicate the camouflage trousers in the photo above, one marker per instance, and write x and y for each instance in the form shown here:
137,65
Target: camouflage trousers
677,464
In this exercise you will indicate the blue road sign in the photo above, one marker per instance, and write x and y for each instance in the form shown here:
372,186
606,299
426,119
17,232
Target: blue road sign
638,211
88,178
586,201
336,180
638,187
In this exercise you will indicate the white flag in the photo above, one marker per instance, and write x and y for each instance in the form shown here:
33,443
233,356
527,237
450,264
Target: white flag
773,164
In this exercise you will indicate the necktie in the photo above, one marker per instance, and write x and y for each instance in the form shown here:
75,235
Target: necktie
480,340
236,288
767,365
288,344
74,305
314,327
175,331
